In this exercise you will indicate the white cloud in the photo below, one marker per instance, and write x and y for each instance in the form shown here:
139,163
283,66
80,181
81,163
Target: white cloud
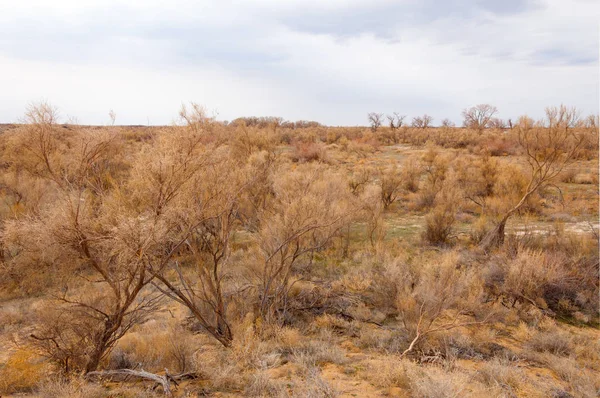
265,57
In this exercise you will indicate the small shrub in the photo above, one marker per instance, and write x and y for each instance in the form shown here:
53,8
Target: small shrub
314,386
438,225
304,152
554,342
262,385
318,353
388,372
498,372
74,389
390,182
440,221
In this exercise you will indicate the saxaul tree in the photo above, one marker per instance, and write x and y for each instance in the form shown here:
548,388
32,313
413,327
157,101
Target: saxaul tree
549,146
188,176
422,122
309,209
375,120
479,116
448,123
396,120
203,282
84,232
109,229
434,299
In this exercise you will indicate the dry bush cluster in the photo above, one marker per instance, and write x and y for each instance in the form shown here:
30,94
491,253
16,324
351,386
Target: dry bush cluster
267,258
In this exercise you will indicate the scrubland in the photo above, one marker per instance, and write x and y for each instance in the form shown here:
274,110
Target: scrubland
269,259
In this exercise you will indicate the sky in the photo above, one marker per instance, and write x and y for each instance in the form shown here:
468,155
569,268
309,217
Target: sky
331,61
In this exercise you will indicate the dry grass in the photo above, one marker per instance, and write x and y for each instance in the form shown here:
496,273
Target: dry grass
22,372
294,259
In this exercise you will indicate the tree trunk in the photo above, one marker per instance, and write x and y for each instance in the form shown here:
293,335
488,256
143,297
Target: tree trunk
495,237
95,357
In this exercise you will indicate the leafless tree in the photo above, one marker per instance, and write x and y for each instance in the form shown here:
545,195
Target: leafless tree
79,230
202,289
478,116
497,123
448,123
375,120
115,232
549,146
422,122
592,122
396,120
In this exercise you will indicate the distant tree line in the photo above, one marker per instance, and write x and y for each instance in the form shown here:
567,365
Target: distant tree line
478,117
275,121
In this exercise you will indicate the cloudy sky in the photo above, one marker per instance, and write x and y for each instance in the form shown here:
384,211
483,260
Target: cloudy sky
327,60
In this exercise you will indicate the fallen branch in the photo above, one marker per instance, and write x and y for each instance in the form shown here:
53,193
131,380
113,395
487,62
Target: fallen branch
165,381
447,326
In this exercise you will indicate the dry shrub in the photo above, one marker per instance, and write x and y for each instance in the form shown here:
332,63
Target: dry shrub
476,177
433,296
547,280
331,324
479,229
97,229
410,175
383,340
440,221
249,350
388,136
78,388
553,341
314,386
434,382
361,149
60,335
155,346
262,385
434,166
75,388
373,212
23,370
13,315
438,225
247,140
501,373
446,137
304,152
568,176
586,350
317,353
581,381
388,371
500,145
359,180
581,247
390,183
310,208
587,179
140,135
509,187
221,371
